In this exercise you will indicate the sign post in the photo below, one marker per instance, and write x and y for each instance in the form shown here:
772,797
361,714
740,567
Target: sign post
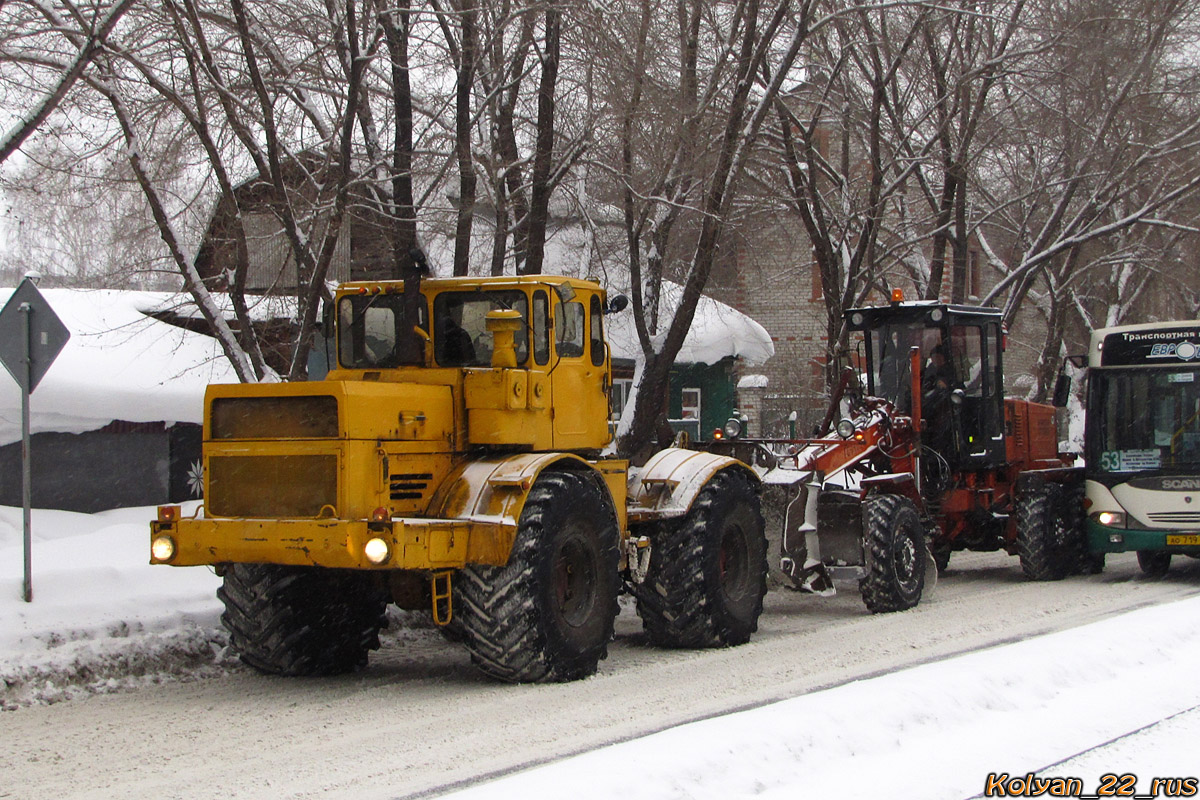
41,337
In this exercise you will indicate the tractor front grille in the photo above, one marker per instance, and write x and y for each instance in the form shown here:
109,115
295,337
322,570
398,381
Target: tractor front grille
303,417
279,486
410,485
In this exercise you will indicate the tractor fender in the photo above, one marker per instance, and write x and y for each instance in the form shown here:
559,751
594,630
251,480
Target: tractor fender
902,483
668,484
1033,477
493,491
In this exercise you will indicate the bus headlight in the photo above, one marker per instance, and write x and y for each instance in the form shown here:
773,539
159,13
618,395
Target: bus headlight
1113,519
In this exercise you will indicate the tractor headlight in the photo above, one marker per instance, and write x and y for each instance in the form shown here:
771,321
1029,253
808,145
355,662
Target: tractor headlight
162,548
1113,519
377,551
733,427
845,428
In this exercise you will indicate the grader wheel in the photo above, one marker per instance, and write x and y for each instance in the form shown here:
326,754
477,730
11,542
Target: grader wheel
895,554
1048,531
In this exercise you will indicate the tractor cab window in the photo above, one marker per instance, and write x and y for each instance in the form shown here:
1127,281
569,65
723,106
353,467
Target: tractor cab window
460,334
570,329
891,367
597,314
369,329
541,328
966,355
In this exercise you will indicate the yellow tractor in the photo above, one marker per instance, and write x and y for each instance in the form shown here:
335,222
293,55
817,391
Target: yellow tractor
451,460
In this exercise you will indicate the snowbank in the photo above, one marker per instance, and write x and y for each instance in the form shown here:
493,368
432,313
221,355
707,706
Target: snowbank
119,364
935,731
102,618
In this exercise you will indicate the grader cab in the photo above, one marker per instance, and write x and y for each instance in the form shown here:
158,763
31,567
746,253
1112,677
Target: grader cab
452,461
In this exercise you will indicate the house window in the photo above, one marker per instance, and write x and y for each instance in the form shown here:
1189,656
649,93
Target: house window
690,404
621,388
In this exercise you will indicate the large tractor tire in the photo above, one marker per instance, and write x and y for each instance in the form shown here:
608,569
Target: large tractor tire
548,614
302,620
1049,530
1087,562
1154,563
708,571
894,554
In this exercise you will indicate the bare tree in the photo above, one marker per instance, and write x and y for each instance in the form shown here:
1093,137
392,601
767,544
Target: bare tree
88,38
688,115
1097,144
844,175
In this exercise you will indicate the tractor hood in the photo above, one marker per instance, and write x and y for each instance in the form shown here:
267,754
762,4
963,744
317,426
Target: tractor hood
329,410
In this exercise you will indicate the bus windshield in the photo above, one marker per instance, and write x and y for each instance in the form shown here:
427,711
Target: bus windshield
1144,420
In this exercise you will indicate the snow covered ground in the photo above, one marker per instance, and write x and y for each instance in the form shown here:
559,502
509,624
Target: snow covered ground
1058,705
102,619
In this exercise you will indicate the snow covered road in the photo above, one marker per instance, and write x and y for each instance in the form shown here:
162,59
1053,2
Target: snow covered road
933,731
183,720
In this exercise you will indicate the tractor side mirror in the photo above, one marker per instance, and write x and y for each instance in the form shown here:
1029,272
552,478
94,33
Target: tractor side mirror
1062,390
616,304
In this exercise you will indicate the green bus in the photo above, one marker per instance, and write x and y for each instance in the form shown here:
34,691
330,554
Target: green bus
1142,442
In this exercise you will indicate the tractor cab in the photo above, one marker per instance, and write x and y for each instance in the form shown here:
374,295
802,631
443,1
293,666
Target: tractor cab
962,397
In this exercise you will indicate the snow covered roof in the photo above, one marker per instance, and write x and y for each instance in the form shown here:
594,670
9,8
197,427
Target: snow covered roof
119,364
718,331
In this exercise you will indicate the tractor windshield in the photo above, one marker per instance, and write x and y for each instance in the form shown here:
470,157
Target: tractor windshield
461,337
1143,419
369,330
891,372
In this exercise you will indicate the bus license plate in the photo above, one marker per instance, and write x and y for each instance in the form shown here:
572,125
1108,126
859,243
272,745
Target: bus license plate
1184,538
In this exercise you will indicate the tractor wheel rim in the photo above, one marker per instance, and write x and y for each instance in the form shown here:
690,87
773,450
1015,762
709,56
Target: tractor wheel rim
906,558
575,583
